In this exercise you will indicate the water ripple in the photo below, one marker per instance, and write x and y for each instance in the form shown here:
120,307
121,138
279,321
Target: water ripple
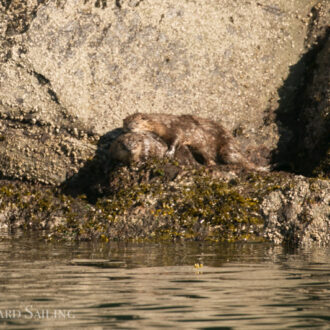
129,286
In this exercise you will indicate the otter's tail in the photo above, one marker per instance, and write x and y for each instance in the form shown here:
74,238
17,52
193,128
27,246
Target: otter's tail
231,155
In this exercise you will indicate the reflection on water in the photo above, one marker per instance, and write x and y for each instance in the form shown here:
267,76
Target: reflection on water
129,286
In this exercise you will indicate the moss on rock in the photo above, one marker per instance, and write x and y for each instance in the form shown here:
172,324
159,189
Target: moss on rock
160,200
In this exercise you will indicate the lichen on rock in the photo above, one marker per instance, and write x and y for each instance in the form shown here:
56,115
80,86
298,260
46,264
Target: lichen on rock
70,72
161,200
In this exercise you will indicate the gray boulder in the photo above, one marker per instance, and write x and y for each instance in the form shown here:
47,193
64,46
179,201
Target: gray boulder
74,70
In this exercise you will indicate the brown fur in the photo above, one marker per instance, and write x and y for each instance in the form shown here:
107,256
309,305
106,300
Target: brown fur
135,147
207,140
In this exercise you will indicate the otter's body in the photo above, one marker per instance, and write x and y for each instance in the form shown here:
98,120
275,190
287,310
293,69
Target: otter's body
136,147
206,139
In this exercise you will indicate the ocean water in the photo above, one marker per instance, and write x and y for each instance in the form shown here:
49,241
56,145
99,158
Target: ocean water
167,285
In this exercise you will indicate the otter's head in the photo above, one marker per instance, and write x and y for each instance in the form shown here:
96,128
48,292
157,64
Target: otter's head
136,123
126,148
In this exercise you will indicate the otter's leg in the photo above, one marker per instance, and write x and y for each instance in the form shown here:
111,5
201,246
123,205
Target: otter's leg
208,159
202,156
230,155
171,149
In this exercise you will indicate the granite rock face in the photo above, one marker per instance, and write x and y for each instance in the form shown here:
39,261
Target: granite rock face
314,142
74,70
299,215
70,71
305,113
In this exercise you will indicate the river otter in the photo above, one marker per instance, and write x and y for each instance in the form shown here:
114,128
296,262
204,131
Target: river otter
208,141
136,147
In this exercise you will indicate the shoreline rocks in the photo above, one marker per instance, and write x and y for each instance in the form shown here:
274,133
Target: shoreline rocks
71,71
161,200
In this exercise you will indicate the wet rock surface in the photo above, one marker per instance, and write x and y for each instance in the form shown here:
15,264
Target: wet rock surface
161,200
71,71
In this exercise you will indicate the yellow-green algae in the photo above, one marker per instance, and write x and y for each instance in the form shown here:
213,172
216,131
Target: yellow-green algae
146,202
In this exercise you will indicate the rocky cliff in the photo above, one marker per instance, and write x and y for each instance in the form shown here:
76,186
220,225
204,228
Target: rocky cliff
70,71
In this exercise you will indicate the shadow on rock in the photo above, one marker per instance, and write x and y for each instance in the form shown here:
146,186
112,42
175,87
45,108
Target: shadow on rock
302,116
91,180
